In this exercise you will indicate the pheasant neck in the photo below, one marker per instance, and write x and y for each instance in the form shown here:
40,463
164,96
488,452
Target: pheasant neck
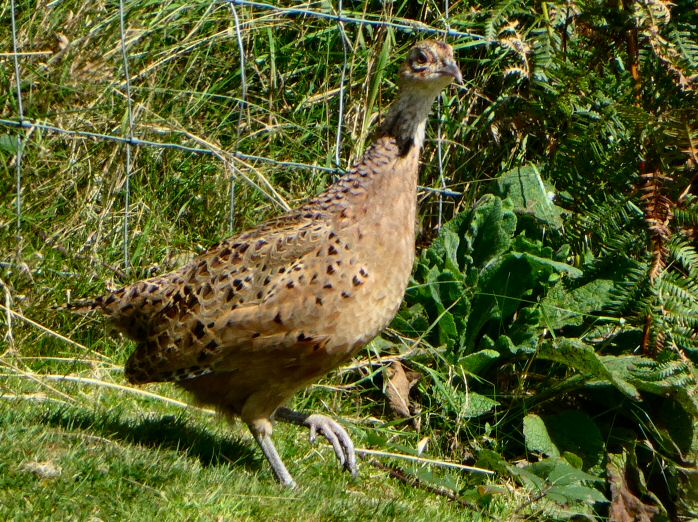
407,118
377,172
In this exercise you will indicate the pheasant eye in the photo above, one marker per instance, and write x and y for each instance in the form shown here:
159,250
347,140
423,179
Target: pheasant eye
419,60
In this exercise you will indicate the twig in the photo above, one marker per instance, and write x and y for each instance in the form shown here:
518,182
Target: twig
33,377
410,480
441,463
120,387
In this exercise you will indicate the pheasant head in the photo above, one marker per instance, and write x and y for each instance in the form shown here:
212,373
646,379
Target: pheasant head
430,65
429,68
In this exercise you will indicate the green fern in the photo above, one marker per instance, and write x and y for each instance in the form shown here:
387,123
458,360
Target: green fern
685,254
686,215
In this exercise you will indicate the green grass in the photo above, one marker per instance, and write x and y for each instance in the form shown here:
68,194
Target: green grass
116,457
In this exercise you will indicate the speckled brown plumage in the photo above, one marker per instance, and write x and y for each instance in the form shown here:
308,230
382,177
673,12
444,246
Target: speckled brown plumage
267,312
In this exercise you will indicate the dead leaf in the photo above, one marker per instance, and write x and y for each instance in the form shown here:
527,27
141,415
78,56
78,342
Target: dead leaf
397,389
626,506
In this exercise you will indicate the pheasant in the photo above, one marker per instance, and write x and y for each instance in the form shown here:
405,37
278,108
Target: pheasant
269,311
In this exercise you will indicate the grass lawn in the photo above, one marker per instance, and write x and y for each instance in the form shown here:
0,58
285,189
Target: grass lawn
108,455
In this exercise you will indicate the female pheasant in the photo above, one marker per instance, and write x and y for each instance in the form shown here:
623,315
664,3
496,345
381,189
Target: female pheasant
271,310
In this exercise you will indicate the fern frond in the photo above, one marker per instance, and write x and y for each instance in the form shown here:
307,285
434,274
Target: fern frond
678,315
669,284
685,254
683,338
687,214
687,45
631,295
498,16
650,371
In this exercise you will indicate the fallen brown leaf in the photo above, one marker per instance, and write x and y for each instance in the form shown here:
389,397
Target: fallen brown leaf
626,506
397,389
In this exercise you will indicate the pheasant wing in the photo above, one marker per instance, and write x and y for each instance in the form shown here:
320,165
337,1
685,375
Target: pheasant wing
252,293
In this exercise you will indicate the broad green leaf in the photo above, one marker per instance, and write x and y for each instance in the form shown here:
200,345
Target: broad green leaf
542,263
412,321
475,405
574,460
528,478
478,361
576,493
461,403
563,307
506,346
536,436
490,459
506,285
489,230
575,432
560,482
525,188
502,284
558,471
580,356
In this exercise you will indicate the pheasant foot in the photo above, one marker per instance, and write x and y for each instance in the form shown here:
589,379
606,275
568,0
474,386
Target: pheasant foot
330,429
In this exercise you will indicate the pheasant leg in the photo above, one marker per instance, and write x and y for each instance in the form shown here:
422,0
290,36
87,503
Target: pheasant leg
277,465
330,429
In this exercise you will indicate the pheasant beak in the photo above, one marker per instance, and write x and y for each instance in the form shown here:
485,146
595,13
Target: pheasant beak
451,69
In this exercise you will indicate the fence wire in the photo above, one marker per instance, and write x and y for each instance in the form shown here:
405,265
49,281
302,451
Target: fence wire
439,141
129,140
20,110
129,111
243,106
408,26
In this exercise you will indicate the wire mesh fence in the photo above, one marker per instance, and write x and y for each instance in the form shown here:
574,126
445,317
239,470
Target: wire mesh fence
145,49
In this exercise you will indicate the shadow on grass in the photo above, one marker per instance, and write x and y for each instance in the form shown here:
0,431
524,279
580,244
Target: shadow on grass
165,432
